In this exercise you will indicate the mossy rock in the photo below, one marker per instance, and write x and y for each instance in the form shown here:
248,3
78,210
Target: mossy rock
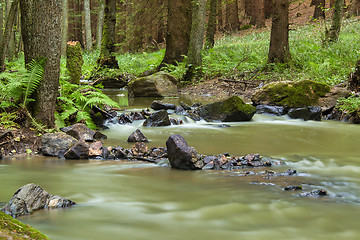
11,228
109,78
160,84
233,109
291,94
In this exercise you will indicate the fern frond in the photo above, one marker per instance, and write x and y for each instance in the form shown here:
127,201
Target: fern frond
32,81
84,117
68,112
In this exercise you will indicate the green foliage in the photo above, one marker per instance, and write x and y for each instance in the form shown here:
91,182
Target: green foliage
349,105
75,103
7,120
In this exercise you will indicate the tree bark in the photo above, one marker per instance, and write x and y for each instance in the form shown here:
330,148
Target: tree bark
41,32
64,26
177,35
279,40
100,24
107,59
268,6
87,19
232,22
354,8
333,33
10,20
75,32
211,26
319,11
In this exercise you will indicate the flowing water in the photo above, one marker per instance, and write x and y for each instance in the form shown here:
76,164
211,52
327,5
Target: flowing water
125,200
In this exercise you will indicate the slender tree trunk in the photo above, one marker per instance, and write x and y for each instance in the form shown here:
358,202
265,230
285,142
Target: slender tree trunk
354,8
1,21
177,35
319,11
279,40
100,24
64,26
107,59
232,16
41,32
260,13
10,20
211,27
333,33
88,35
220,25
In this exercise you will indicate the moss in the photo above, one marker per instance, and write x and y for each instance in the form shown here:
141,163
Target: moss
291,94
11,228
74,61
235,103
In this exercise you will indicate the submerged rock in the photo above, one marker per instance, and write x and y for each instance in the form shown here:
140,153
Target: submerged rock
56,144
137,136
315,193
30,198
160,105
291,94
157,119
181,155
233,109
160,84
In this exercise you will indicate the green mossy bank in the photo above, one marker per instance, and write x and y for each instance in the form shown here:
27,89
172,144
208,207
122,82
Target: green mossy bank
11,228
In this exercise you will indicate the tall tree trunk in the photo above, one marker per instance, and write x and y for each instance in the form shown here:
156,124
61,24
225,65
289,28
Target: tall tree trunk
41,32
100,24
319,11
354,8
1,20
10,20
279,40
87,19
64,26
333,33
232,16
177,35
268,6
75,32
107,59
220,16
211,26
260,13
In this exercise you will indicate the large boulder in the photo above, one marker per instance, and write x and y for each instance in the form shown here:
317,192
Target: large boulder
291,94
32,197
181,155
233,109
81,132
160,84
158,119
306,113
56,144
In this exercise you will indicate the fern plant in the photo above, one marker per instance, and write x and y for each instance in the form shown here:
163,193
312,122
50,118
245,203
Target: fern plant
75,103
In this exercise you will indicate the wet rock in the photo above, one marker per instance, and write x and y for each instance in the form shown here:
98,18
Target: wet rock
101,115
137,116
81,132
315,193
159,152
233,109
160,84
95,149
56,144
270,110
181,155
157,119
292,94
175,121
194,115
137,136
79,151
160,105
119,153
30,198
124,119
180,110
185,106
290,172
306,113
139,149
293,188
223,126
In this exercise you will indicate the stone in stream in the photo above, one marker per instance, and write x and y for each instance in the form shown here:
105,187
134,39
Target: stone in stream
181,155
30,198
306,113
160,105
81,132
270,110
315,193
137,136
157,119
56,144
79,151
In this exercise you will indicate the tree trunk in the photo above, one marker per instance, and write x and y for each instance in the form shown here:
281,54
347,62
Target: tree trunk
260,13
279,40
107,59
211,27
232,22
178,31
1,21
75,32
41,32
354,8
220,25
64,26
100,24
319,11
332,34
88,36
10,20
268,6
